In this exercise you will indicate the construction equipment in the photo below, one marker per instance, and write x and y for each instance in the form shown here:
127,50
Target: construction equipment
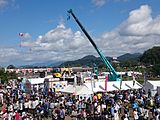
57,75
113,76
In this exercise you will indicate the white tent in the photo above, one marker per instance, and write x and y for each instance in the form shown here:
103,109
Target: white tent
68,89
100,86
152,85
78,90
132,84
84,90
113,85
36,81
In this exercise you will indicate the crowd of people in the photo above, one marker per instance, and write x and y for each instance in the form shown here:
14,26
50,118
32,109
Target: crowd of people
116,105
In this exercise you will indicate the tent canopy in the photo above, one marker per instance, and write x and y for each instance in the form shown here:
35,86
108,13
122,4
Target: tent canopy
78,90
113,85
154,83
151,84
36,81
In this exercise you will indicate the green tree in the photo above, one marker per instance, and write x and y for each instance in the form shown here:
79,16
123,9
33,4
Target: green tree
151,56
11,67
5,75
156,70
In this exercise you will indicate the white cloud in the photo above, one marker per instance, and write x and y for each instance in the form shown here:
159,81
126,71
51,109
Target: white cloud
136,34
58,39
7,54
99,3
140,22
58,44
6,3
3,3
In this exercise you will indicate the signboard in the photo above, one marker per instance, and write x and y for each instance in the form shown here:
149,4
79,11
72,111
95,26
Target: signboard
57,85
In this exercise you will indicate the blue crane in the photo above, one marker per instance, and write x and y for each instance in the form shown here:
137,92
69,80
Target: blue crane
113,76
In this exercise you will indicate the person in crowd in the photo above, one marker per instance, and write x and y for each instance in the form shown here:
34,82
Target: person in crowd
116,105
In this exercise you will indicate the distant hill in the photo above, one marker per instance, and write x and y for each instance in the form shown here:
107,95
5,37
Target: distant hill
85,61
128,56
45,64
91,59
151,56
88,60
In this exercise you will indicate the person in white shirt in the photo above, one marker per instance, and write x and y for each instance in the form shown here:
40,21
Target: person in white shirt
15,107
74,114
10,108
21,107
136,117
99,109
30,106
26,105
146,114
52,105
1,97
11,115
126,117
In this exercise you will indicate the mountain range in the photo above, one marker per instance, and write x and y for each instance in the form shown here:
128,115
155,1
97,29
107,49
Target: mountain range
91,59
88,60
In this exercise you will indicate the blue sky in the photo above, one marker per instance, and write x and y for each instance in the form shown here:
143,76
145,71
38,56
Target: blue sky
117,27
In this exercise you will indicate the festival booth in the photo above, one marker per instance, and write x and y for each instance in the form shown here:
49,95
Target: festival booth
47,83
102,86
132,84
57,85
37,83
152,85
77,90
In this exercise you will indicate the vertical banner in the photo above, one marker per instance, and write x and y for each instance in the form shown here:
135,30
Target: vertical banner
145,77
106,81
64,76
75,84
46,87
75,80
93,81
120,84
82,79
134,78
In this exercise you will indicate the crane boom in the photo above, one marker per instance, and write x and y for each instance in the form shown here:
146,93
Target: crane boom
113,74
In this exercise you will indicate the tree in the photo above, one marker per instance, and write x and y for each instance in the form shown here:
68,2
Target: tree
151,56
11,67
5,75
156,70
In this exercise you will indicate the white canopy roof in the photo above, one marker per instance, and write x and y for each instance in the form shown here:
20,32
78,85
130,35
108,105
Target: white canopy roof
113,85
155,82
151,84
78,90
36,80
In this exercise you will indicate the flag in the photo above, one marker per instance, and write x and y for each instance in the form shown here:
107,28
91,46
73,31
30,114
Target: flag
21,34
